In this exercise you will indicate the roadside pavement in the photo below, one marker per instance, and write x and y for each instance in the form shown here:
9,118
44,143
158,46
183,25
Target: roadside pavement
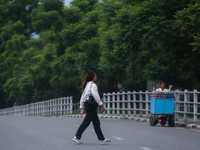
179,123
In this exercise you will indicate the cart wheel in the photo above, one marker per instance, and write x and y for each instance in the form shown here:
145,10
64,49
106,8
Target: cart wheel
154,120
171,121
150,120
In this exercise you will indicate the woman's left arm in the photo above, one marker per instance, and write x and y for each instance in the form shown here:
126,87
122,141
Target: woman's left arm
82,105
95,94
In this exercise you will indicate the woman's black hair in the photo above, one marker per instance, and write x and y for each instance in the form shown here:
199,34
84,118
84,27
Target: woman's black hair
89,77
162,82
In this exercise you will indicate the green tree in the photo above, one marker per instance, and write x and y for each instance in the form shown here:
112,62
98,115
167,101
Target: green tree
15,29
147,44
126,42
84,5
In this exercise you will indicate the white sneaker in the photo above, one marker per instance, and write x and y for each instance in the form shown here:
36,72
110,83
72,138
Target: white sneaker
77,140
106,140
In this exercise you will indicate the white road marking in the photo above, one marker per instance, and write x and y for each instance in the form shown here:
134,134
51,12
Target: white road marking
76,125
92,130
145,148
118,138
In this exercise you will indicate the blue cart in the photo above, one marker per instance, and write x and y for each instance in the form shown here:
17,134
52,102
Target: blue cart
162,109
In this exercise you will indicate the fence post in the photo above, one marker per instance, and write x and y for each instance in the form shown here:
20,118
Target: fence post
185,105
32,108
68,105
35,109
71,105
113,103
134,103
195,105
123,103
61,106
37,105
118,103
177,104
108,104
50,107
104,100
140,99
147,104
24,110
44,107
39,108
29,108
26,114
64,106
129,103
188,105
56,106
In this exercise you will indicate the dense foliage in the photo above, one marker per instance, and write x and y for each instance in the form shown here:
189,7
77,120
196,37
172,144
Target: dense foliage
124,41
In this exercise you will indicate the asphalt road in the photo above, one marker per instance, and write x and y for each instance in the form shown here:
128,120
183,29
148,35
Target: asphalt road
54,133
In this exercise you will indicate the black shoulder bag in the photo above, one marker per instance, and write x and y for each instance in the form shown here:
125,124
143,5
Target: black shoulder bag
91,100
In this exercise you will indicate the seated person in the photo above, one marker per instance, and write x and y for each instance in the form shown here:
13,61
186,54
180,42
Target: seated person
162,88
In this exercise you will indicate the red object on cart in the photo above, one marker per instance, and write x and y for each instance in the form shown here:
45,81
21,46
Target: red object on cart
157,95
163,120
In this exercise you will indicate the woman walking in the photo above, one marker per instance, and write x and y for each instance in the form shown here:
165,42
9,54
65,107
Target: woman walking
89,88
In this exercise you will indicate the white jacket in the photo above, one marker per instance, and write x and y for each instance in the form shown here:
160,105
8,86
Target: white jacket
86,94
160,90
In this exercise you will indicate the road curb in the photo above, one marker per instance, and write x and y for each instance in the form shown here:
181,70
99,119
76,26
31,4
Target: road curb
177,124
110,117
180,124
191,126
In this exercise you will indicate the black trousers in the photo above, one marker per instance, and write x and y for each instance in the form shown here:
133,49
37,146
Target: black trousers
91,116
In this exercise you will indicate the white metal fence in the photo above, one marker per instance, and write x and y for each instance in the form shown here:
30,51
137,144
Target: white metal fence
60,106
187,104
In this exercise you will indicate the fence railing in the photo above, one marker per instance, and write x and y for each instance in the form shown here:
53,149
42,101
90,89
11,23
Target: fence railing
60,106
187,104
